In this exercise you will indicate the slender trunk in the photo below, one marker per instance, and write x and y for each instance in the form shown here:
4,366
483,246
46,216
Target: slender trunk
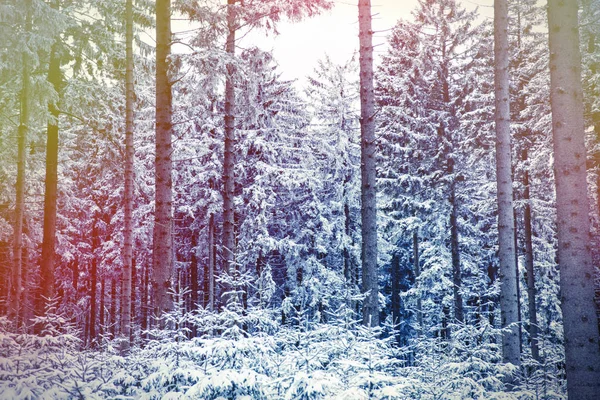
128,190
16,284
94,286
396,315
370,284
580,325
102,308
144,303
228,240
132,299
194,270
459,314
506,235
113,308
531,292
209,269
417,270
163,236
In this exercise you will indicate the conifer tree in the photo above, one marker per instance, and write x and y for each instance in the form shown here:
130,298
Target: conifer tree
509,298
582,350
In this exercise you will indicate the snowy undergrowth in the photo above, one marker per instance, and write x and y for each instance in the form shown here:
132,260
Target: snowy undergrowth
325,361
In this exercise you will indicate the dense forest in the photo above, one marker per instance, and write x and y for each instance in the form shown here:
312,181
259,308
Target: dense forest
419,224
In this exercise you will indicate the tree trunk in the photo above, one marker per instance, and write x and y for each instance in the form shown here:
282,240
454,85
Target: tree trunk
531,292
128,190
574,257
113,308
396,309
94,286
506,234
209,271
228,240
163,236
370,284
194,270
50,194
16,284
459,314
417,270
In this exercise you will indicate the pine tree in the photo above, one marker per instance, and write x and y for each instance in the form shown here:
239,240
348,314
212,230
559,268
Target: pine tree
576,269
370,277
163,225
509,299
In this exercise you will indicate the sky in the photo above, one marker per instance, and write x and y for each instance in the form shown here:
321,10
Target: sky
300,45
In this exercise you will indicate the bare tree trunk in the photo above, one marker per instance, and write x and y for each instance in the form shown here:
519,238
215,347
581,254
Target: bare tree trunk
50,194
582,352
417,270
16,284
228,240
459,313
113,318
128,190
94,286
163,235
370,284
529,266
506,234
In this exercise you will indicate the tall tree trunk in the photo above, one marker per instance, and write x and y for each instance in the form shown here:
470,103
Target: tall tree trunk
396,306
94,286
16,284
459,314
144,303
531,292
113,318
582,352
228,240
163,235
209,269
132,298
194,270
102,307
128,190
50,194
506,234
417,270
370,283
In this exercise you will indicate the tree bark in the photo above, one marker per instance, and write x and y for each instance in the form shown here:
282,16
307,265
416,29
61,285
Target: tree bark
459,314
128,190
228,240
163,236
529,265
417,271
370,285
506,234
16,284
94,287
574,257
50,193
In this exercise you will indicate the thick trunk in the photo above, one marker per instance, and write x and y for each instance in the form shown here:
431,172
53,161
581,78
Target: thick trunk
506,234
228,240
576,269
50,194
368,171
163,238
128,190
16,284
